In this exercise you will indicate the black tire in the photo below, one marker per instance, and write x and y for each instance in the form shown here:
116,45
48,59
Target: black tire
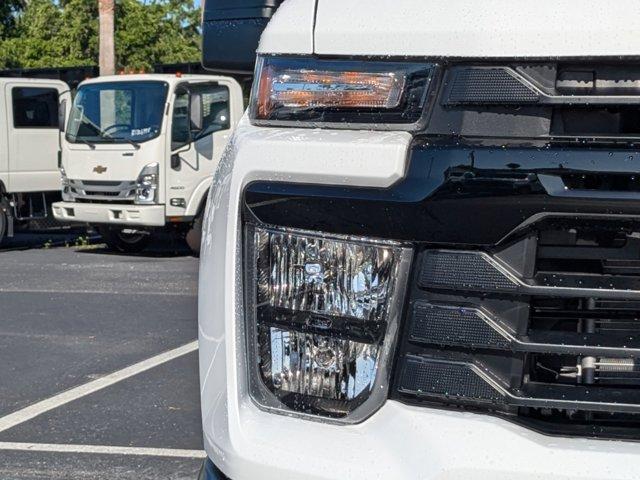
3,225
124,242
194,234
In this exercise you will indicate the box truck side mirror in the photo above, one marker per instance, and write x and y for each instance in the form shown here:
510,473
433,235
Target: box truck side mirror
175,160
62,114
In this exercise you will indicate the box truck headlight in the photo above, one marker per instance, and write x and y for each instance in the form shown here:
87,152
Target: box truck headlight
147,184
65,185
322,320
339,92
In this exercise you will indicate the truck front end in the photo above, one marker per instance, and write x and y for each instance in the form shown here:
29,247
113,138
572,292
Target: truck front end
421,257
113,156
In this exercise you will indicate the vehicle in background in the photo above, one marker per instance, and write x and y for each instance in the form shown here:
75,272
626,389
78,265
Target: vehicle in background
139,152
29,150
423,257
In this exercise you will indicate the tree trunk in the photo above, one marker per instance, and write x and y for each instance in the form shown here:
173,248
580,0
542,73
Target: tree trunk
107,49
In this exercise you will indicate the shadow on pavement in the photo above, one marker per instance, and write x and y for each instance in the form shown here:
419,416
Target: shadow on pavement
47,239
161,246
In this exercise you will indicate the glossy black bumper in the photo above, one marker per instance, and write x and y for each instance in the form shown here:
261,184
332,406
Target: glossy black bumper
461,196
210,472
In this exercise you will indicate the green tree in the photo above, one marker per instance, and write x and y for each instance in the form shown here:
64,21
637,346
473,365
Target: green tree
30,44
64,33
159,31
9,9
78,36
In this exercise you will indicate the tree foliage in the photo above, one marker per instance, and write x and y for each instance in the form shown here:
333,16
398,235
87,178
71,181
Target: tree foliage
9,9
64,33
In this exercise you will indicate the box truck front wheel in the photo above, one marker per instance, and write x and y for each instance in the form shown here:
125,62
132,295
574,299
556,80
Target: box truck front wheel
125,240
194,234
3,224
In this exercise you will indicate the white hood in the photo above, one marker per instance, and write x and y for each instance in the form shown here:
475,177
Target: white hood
478,28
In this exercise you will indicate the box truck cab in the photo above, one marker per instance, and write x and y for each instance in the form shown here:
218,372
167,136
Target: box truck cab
29,147
421,259
139,152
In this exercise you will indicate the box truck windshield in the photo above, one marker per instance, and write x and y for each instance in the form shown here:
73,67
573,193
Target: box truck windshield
117,112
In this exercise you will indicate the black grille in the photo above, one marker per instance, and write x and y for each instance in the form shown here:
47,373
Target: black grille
544,330
430,377
101,183
466,270
447,325
101,194
489,85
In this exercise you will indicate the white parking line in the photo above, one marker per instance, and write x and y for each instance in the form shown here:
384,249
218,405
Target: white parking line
32,411
103,449
95,292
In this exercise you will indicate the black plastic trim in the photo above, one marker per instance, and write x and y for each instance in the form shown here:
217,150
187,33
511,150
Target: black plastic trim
466,381
458,196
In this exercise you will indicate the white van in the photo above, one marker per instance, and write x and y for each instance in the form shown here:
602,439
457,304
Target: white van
29,149
421,259
139,152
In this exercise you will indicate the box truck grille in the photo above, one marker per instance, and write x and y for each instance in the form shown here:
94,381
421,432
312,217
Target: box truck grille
110,191
544,330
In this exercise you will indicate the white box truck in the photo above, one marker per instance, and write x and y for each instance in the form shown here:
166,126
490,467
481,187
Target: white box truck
29,150
139,152
421,259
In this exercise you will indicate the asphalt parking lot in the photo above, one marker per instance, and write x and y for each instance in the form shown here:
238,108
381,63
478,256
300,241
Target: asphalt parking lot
98,362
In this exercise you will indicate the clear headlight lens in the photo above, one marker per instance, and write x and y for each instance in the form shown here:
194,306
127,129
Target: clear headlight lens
147,184
65,186
324,276
317,366
63,177
339,91
323,314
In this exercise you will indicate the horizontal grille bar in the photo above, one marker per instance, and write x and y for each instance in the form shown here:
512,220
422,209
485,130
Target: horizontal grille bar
479,272
446,379
437,379
489,86
499,85
456,326
472,328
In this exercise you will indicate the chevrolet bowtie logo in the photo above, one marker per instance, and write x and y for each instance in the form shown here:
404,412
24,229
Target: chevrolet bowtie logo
100,169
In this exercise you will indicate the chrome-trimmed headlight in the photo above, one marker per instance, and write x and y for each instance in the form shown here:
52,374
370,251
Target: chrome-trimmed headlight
340,93
65,185
322,319
147,185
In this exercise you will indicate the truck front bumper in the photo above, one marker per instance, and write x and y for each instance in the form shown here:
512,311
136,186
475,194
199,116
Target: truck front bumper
117,214
407,442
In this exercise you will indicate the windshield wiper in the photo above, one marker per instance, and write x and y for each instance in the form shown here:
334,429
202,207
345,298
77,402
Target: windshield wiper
106,138
135,144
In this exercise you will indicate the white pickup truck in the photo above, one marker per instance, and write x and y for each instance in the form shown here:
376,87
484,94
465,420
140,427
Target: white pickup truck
421,257
139,152
29,149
